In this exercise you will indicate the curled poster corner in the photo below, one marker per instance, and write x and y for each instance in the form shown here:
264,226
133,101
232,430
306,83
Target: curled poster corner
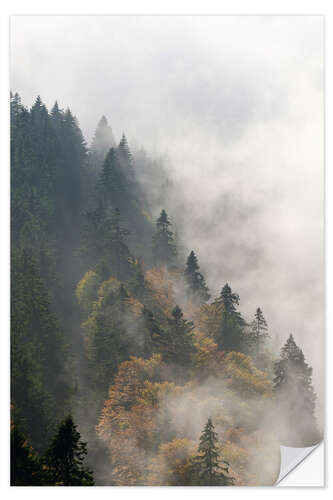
291,458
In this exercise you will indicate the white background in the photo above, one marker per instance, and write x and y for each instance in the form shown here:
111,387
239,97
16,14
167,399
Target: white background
309,473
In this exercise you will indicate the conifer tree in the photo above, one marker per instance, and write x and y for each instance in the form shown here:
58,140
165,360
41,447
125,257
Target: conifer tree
121,257
258,335
207,468
196,285
111,182
25,465
156,340
178,346
37,351
102,141
295,397
125,155
164,249
230,336
65,456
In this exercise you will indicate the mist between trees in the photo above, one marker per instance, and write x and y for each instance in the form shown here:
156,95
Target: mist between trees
126,368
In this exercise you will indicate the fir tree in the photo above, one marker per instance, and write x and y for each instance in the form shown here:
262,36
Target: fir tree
196,285
177,345
25,465
207,468
65,456
37,352
295,397
102,141
258,336
111,182
164,249
125,155
230,336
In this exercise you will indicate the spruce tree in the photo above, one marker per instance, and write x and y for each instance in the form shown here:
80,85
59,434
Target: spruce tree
37,352
196,285
230,336
65,456
164,249
102,141
125,156
258,335
178,346
25,464
207,468
111,182
295,397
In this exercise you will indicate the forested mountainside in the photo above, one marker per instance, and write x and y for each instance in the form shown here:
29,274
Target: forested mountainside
125,369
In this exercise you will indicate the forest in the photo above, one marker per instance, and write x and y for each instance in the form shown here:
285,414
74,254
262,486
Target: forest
126,369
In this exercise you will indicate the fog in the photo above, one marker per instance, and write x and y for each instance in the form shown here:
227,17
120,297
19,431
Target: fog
235,105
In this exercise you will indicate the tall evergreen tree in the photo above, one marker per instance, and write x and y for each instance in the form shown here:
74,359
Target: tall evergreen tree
258,335
25,465
177,346
102,141
207,468
125,157
164,249
65,456
230,336
295,397
196,285
37,352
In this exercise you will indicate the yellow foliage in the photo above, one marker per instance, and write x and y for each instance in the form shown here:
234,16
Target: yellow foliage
209,319
170,466
243,377
207,359
160,283
108,289
86,290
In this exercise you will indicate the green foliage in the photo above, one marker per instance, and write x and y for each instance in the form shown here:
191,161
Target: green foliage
177,342
65,456
102,141
207,468
258,337
25,465
196,285
295,397
164,249
231,334
37,352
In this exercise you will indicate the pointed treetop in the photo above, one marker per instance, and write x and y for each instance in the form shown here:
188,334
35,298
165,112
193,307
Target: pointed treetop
38,105
163,219
103,122
124,149
177,313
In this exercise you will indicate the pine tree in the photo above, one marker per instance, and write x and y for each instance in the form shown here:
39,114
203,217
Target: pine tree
196,285
37,352
152,333
258,336
65,456
295,397
111,182
207,468
164,249
230,336
125,157
121,258
25,465
102,141
177,345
